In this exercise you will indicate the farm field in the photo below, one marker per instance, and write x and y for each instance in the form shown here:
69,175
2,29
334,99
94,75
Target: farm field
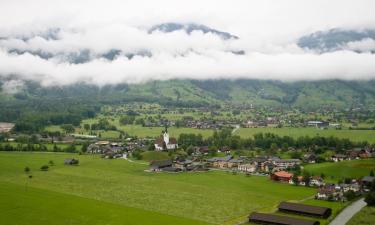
346,169
34,206
354,135
215,197
365,217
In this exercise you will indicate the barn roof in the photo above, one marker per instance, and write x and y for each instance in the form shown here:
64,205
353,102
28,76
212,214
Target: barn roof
305,209
280,220
161,163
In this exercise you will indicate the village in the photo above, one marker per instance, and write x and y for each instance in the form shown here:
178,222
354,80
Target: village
288,171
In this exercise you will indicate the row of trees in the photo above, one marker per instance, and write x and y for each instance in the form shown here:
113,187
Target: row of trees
72,148
268,141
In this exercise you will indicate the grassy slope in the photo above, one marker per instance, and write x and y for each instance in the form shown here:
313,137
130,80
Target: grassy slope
335,171
365,217
20,205
213,197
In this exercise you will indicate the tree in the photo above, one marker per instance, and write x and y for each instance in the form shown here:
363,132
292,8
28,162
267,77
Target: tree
68,128
372,173
26,169
370,199
86,126
44,168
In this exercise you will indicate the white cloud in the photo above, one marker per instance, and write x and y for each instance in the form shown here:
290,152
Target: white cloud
267,29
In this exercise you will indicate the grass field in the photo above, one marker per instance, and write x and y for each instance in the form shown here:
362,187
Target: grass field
213,197
354,135
339,170
34,206
365,217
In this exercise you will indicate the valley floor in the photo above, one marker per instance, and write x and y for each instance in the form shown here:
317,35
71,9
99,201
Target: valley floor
117,191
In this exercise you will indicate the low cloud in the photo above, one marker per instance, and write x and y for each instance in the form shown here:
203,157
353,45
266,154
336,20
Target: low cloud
109,43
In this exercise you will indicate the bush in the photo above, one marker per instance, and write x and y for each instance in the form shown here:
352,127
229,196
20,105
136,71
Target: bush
370,199
27,169
44,168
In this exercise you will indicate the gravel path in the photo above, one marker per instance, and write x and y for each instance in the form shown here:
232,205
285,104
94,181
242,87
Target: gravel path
348,212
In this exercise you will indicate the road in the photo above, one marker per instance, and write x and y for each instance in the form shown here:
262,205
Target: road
348,212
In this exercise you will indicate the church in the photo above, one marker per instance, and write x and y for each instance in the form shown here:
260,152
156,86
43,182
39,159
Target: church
165,143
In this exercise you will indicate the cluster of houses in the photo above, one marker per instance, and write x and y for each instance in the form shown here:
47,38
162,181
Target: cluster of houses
261,164
356,153
331,192
337,192
107,149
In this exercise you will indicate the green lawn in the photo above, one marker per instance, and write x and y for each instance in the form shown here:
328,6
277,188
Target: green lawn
350,169
365,217
354,135
213,197
33,206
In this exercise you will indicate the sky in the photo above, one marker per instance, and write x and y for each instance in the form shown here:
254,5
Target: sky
268,34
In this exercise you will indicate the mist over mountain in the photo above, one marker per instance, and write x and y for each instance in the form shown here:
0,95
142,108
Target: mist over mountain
189,28
339,39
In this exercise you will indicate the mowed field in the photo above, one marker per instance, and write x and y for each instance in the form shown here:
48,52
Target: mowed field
345,169
365,217
109,189
354,135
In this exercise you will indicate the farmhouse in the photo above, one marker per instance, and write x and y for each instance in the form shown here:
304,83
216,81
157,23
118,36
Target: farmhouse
367,180
165,143
282,176
309,158
264,218
308,210
318,124
286,163
329,192
6,127
338,157
71,161
160,165
248,167
219,162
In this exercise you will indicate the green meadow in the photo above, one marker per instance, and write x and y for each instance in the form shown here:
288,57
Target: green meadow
345,169
109,189
364,217
353,135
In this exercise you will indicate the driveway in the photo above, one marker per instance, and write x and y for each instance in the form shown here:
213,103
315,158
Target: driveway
348,212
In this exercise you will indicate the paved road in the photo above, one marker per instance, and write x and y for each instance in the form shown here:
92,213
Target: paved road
348,212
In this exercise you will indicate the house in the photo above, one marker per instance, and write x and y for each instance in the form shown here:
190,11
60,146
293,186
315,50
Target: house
234,163
203,150
367,181
220,162
182,164
159,165
286,163
263,218
338,157
316,181
6,127
303,209
318,124
282,176
248,167
309,158
69,161
165,142
329,192
350,187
